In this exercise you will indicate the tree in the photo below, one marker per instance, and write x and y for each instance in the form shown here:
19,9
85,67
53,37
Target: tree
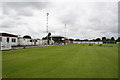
112,39
71,39
48,37
103,38
49,34
98,39
77,39
118,39
44,38
93,40
108,40
85,40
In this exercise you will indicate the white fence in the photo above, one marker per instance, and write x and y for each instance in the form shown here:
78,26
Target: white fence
4,46
86,42
118,43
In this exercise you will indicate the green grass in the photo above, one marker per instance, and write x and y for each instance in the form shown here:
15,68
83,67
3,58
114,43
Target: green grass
67,61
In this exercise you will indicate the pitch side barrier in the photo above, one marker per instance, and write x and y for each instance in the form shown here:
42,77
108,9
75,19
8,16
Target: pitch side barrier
86,42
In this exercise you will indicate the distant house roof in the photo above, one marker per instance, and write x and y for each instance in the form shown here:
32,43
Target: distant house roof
27,36
8,35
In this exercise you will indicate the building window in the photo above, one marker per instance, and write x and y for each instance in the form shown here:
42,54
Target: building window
7,39
35,40
1,39
13,40
30,40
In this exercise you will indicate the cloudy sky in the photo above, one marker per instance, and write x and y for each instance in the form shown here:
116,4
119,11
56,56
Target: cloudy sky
84,20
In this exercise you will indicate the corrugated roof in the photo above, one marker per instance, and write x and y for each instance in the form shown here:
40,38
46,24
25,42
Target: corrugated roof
8,35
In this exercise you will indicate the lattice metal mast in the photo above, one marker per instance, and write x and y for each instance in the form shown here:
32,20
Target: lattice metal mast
47,22
65,30
47,29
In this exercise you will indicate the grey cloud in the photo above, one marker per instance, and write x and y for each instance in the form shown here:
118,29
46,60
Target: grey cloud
69,19
104,25
103,17
11,23
18,5
24,12
8,24
83,21
23,8
5,26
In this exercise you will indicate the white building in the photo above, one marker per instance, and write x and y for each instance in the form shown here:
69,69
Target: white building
29,41
38,42
57,39
7,41
25,41
118,43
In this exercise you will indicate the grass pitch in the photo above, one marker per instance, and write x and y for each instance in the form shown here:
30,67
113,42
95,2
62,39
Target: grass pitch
66,61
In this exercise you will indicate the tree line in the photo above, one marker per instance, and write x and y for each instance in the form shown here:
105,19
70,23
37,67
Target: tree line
103,39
